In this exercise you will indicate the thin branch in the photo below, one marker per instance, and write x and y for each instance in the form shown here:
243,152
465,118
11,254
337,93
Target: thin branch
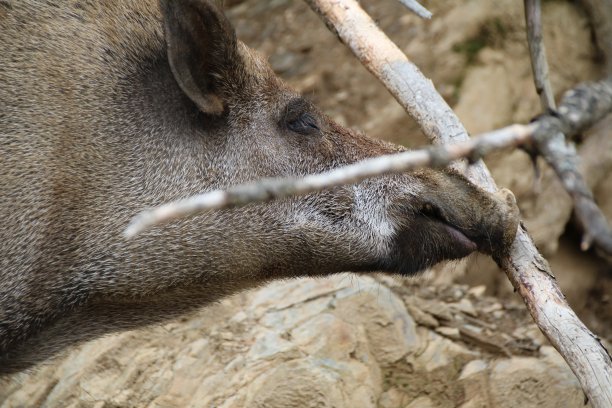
526,268
416,8
537,51
272,189
561,156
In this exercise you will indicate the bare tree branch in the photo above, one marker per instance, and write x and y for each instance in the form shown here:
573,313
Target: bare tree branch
537,51
403,79
267,190
526,268
561,156
416,8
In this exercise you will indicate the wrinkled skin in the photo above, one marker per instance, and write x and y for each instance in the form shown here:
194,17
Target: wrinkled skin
107,108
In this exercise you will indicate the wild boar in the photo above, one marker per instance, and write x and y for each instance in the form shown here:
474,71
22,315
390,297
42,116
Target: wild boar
107,108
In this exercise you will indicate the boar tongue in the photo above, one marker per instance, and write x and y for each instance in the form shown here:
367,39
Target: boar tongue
461,239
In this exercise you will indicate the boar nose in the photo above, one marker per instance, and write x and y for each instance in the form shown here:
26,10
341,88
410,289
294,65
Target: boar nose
473,219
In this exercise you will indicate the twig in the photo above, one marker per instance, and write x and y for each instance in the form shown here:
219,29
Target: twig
526,268
271,189
561,156
416,8
537,51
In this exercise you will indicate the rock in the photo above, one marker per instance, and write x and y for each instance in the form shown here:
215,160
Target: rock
465,306
440,310
269,344
391,331
421,317
531,382
393,398
520,382
472,368
421,402
450,332
477,291
494,307
310,383
475,380
441,352
531,332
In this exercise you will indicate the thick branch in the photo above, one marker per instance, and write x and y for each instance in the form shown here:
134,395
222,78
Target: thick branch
580,108
403,79
526,268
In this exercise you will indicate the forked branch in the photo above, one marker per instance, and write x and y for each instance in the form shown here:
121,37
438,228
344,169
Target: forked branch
557,148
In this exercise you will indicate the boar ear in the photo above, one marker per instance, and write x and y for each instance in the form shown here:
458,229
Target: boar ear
202,50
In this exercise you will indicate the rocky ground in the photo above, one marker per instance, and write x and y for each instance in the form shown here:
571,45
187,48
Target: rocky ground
460,337
347,341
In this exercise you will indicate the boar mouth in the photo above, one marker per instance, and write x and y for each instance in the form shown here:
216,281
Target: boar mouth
460,238
434,215
426,241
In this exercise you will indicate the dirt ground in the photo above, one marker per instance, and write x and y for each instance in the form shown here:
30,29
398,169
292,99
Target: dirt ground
458,337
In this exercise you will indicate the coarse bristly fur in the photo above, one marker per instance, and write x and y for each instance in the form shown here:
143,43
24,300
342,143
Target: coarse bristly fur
110,107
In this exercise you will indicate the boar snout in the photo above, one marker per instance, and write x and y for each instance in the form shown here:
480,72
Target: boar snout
449,219
462,219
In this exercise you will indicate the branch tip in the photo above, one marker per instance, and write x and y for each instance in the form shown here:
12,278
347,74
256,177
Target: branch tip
417,8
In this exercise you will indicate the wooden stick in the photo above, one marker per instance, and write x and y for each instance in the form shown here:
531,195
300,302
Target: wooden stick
537,51
526,268
416,8
271,189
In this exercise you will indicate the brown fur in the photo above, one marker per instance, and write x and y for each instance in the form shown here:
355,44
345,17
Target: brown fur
99,119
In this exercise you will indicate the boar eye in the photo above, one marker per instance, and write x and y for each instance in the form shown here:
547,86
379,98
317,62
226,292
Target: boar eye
304,124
